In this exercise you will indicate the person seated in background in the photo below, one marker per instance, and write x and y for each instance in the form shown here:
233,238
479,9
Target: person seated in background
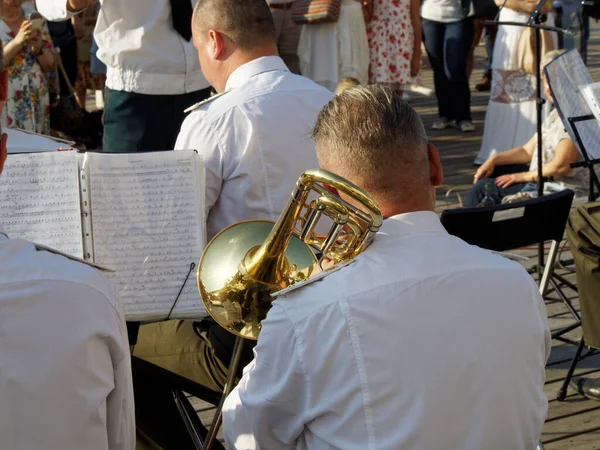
65,370
336,365
558,153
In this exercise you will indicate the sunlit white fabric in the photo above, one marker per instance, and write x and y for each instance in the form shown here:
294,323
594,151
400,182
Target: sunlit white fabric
425,342
65,370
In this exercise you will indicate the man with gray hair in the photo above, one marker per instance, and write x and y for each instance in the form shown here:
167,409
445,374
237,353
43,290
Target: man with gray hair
254,140
418,343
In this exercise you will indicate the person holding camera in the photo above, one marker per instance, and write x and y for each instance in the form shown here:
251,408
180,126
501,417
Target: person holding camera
28,57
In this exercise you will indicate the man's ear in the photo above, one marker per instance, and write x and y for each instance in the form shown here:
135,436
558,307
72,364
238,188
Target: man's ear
436,173
217,44
3,86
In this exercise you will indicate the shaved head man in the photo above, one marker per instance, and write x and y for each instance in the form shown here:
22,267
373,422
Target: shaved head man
254,139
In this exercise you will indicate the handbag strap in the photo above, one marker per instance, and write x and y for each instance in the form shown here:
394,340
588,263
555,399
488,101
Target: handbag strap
64,73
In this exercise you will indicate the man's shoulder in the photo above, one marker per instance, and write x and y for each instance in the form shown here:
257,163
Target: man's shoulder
263,89
26,262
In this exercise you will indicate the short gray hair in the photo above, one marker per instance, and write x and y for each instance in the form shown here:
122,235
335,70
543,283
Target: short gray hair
372,137
247,23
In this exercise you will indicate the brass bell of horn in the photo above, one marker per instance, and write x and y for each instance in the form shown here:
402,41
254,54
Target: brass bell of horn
247,262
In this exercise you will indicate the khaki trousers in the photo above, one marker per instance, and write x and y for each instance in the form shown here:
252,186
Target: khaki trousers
583,232
176,347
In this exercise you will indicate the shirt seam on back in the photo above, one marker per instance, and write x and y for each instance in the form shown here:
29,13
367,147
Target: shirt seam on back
358,357
78,283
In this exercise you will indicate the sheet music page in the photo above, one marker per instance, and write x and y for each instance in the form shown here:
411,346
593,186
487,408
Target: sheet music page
147,211
591,94
565,75
39,200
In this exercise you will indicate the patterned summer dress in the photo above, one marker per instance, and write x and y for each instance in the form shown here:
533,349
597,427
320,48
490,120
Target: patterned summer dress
28,104
391,41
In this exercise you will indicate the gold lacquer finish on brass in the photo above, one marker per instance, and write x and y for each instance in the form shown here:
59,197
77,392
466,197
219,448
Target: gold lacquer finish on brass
247,262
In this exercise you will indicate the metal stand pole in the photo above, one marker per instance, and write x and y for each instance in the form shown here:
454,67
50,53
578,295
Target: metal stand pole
233,366
538,19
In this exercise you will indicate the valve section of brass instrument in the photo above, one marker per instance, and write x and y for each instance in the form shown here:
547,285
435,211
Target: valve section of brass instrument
248,261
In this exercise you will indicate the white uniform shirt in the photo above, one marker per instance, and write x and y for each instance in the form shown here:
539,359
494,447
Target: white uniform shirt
65,369
425,342
255,141
141,50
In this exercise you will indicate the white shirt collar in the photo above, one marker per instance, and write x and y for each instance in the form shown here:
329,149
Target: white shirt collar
246,71
419,222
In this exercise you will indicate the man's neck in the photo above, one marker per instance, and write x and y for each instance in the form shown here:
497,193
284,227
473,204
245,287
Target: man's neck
239,58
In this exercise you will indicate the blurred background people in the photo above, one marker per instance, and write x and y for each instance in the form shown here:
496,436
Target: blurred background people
331,51
489,35
448,35
153,72
287,31
510,119
516,170
395,43
28,57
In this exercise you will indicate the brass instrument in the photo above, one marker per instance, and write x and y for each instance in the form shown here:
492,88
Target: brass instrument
246,264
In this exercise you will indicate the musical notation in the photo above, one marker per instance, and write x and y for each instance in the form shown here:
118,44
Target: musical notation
146,224
39,200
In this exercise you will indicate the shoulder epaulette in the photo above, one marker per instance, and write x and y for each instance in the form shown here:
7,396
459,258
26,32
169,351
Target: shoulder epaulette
195,106
44,248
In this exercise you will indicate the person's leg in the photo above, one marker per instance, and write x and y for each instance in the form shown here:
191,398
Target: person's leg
457,42
175,346
288,42
487,187
478,30
433,37
138,122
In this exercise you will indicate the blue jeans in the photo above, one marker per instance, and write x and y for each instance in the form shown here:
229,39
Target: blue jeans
488,186
489,48
448,46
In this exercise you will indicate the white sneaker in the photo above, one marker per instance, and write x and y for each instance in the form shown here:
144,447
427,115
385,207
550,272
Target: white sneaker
466,126
442,124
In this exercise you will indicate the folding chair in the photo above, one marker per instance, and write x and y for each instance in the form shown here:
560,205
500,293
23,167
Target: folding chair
505,227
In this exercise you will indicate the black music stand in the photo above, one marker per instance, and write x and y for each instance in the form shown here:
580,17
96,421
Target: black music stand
536,19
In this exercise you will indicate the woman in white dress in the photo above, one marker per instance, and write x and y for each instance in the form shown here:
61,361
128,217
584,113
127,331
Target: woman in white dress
510,119
329,52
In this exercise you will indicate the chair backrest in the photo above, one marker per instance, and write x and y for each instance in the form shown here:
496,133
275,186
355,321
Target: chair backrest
505,227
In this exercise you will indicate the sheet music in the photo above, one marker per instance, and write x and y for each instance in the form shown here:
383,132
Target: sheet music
39,200
146,224
565,75
591,94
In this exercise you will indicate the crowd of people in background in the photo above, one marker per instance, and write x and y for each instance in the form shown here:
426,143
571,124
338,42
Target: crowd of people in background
45,61
372,42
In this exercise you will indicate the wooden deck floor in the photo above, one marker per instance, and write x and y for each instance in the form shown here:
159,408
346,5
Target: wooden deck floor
571,424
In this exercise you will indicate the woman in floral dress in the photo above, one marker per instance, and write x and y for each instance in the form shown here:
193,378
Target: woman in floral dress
28,55
395,43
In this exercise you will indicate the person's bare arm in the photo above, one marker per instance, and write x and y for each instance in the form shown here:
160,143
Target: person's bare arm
524,5
415,19
78,5
518,155
566,154
14,46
